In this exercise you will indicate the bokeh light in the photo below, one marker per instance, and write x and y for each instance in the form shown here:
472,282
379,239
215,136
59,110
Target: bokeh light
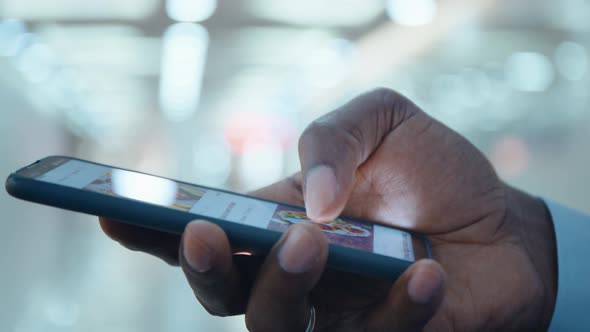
190,10
572,60
529,71
412,12
510,155
183,64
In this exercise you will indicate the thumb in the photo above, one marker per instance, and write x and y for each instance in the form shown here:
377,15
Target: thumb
412,301
334,146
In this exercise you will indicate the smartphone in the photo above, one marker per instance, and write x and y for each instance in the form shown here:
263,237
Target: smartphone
251,224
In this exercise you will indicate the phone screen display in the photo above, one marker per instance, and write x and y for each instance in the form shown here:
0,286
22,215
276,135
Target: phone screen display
226,206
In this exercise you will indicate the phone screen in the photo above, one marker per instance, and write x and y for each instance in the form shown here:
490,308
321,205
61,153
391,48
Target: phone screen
212,203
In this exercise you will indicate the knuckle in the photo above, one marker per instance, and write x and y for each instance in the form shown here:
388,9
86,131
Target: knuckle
393,107
394,101
386,97
383,92
356,128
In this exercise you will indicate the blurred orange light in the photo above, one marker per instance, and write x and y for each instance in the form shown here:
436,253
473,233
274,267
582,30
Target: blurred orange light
510,155
250,129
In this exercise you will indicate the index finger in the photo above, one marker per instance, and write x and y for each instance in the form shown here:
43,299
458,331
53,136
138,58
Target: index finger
160,244
334,146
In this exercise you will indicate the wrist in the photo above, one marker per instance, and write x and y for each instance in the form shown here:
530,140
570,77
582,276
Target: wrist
536,231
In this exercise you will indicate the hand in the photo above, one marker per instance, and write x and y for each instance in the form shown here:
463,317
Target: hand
227,284
380,158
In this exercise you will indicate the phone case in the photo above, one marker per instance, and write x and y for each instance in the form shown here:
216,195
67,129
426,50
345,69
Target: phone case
169,220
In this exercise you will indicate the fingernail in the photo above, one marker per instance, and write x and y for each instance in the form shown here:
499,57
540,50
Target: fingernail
196,252
299,251
320,192
424,284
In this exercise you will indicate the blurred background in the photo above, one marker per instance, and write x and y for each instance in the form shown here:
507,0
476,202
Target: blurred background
217,92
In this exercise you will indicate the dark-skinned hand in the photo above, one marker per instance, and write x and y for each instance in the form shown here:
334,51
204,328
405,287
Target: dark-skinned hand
381,158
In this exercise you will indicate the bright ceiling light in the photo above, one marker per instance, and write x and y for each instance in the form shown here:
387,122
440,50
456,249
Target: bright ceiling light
412,12
79,10
529,71
317,13
183,64
190,10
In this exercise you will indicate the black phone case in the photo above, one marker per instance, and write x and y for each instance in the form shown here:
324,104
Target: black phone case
169,220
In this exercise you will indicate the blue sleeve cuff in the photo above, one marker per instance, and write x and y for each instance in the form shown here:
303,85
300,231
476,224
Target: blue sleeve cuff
572,236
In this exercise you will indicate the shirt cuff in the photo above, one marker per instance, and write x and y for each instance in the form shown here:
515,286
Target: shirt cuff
572,236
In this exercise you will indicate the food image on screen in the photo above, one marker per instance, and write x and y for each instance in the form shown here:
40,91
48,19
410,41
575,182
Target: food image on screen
355,234
187,196
103,185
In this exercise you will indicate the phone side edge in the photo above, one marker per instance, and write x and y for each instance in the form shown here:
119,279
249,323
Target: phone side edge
133,212
238,194
366,264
